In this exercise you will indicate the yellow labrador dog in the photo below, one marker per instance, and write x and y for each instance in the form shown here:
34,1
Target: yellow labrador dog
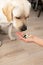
14,13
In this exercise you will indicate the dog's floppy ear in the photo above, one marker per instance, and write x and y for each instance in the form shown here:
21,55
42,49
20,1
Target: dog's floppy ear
7,10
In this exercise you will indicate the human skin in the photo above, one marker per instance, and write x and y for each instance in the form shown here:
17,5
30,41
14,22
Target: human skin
31,38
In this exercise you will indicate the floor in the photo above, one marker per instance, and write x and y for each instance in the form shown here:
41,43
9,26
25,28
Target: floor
20,53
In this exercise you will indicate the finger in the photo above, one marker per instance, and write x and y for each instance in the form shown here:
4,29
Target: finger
19,33
24,39
21,38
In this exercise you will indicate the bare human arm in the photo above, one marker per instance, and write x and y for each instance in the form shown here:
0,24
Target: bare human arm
31,38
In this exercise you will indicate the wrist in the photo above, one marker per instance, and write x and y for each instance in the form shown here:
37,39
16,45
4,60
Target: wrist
32,38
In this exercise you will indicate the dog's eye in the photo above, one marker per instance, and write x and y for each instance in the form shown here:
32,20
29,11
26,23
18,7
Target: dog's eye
26,17
18,17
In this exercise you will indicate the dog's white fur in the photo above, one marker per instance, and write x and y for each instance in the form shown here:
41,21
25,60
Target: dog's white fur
10,9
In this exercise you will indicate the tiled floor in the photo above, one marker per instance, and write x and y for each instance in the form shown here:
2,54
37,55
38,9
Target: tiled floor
20,53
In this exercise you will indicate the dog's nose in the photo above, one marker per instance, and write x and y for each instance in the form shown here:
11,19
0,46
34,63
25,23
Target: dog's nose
23,28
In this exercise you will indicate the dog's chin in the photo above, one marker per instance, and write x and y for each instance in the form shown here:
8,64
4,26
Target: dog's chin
20,29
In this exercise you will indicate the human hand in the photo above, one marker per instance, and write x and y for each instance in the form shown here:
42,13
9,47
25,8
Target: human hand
29,39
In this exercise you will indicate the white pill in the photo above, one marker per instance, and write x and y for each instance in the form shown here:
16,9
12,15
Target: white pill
25,36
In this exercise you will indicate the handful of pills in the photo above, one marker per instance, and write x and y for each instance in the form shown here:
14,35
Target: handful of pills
26,36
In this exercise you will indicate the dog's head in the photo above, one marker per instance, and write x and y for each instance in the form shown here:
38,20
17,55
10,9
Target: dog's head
19,19
18,14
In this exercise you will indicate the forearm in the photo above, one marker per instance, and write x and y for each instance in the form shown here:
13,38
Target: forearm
38,41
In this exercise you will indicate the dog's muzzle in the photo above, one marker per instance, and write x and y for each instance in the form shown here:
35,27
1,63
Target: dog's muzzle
23,28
